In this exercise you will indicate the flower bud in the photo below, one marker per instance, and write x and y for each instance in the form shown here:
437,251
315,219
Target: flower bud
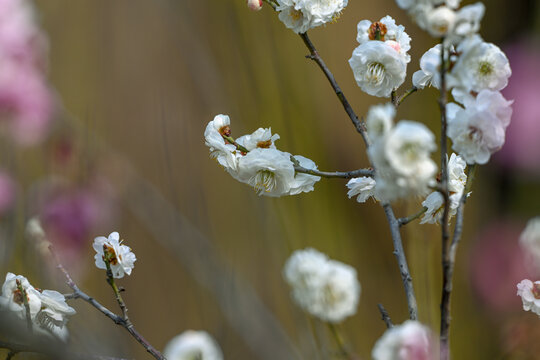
254,5
440,20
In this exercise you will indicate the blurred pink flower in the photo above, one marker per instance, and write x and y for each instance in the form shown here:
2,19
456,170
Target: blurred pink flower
7,192
522,148
26,102
72,214
497,264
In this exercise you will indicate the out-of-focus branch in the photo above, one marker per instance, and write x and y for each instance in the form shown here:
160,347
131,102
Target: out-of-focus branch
122,321
384,316
335,174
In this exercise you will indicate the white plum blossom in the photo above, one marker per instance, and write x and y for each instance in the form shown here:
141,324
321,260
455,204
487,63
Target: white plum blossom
269,171
378,68
324,288
457,179
529,240
387,31
379,120
364,187
403,163
53,316
478,130
12,299
304,182
480,66
530,295
121,259
440,20
408,341
191,345
466,23
302,15
428,74
260,138
223,152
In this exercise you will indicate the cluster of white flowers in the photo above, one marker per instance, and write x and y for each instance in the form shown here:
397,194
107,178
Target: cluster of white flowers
442,18
379,63
530,295
48,309
325,288
302,15
401,155
191,345
410,340
121,259
477,72
257,161
457,179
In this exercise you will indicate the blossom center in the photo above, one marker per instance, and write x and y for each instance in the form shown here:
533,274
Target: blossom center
410,151
264,144
225,130
377,30
18,297
263,181
375,73
110,254
536,290
295,14
485,68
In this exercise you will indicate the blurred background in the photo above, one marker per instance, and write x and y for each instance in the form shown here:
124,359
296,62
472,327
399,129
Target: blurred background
137,82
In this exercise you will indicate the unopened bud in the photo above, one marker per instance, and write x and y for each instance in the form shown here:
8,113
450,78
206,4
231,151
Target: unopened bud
254,5
440,21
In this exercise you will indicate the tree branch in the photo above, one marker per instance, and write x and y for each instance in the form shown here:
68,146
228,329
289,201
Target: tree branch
124,322
392,221
385,317
314,55
449,267
405,220
335,174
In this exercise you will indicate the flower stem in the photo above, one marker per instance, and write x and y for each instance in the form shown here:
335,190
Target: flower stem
405,220
339,341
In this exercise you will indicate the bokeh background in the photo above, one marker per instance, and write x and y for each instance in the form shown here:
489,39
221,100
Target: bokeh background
139,80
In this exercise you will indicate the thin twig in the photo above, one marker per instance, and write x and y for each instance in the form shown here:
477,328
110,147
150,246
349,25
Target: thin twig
238,146
314,55
335,174
392,221
11,354
405,220
24,296
406,95
449,269
399,252
385,317
124,322
110,280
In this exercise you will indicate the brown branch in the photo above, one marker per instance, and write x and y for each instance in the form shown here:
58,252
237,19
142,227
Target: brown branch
385,317
122,321
449,268
392,221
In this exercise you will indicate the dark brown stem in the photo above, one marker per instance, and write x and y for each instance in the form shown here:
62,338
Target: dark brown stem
449,268
314,55
385,317
406,95
392,221
405,220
